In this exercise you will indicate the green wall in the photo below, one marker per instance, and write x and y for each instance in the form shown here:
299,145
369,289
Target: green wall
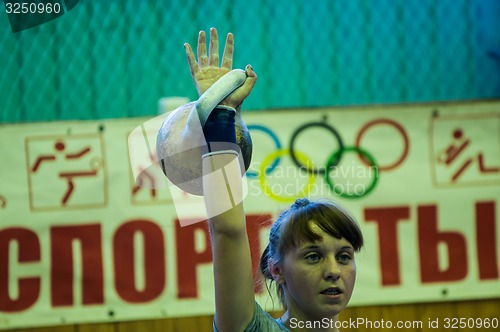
113,59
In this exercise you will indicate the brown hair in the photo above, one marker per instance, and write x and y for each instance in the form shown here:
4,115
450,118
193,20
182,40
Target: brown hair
293,226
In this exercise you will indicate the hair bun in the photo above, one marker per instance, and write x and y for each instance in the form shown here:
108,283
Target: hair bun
300,202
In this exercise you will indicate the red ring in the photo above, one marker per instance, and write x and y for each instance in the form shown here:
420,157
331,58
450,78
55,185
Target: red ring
401,131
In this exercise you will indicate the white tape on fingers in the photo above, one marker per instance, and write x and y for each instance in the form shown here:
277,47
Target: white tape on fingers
218,91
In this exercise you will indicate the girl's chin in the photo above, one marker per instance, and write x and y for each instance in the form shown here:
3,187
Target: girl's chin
332,310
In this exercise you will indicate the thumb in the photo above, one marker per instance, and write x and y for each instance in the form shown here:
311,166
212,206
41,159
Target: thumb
251,78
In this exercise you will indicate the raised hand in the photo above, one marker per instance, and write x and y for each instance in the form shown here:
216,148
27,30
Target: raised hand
206,71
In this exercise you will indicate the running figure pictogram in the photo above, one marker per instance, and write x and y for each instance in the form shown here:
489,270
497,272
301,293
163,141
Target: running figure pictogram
148,175
455,149
60,147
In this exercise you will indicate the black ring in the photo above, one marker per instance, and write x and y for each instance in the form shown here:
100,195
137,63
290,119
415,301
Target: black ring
319,171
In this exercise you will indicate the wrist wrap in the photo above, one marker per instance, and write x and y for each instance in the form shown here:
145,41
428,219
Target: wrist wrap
220,132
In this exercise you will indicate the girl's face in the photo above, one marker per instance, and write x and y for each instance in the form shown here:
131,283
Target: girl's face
318,277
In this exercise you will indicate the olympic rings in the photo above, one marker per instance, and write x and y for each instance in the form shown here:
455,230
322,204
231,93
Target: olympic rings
262,178
303,162
398,128
293,154
277,143
367,156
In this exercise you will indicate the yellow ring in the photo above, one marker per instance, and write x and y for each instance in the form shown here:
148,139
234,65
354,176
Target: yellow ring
268,161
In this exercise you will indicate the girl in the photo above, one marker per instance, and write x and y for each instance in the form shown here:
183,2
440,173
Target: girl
311,248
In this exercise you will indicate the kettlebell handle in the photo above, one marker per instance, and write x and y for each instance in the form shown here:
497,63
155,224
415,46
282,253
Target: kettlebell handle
180,141
222,88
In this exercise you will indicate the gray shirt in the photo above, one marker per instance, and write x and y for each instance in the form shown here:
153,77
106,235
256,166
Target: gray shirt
262,322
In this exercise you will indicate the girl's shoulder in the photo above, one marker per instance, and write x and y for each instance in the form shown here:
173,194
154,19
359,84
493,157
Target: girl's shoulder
262,322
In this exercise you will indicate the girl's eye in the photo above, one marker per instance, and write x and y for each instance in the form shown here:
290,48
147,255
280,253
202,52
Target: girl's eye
344,258
313,257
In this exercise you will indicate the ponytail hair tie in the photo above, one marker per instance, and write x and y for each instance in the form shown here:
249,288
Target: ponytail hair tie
300,202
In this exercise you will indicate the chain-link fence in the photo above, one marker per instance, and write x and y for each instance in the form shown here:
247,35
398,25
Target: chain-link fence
116,58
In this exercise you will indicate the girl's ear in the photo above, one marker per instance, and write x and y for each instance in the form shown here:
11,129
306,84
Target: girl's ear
276,272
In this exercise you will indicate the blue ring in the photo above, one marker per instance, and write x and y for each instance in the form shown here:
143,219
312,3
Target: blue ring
277,142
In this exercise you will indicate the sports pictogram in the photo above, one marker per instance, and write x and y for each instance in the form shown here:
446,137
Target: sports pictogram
466,150
63,170
146,180
458,147
148,184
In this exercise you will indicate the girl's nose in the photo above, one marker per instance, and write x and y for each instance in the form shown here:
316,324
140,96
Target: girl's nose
331,269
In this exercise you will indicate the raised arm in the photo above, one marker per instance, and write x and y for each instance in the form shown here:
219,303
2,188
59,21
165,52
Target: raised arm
222,189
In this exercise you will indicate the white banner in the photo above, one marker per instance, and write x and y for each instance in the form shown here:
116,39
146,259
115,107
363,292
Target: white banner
81,241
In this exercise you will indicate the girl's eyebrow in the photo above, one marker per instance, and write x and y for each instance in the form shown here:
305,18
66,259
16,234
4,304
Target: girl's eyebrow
309,247
315,246
347,248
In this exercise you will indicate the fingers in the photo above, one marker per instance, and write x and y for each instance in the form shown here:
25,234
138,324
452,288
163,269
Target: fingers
236,98
193,65
202,50
214,48
249,71
251,78
227,58
212,59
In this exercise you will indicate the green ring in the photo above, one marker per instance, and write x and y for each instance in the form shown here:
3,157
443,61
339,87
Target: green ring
334,157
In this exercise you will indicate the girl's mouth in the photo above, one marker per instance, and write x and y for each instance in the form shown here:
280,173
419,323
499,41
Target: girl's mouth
331,291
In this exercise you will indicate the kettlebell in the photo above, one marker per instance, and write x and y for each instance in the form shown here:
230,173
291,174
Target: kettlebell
180,142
